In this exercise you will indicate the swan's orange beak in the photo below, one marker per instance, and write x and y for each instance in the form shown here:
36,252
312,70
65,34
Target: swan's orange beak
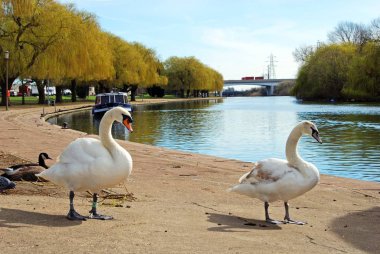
128,125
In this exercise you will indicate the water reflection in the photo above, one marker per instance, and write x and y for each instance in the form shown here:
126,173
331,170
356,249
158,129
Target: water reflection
251,129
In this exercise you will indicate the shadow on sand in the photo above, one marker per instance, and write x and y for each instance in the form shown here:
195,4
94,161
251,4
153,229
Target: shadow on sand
13,218
360,228
231,223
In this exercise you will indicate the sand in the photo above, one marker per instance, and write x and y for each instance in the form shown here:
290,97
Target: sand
176,203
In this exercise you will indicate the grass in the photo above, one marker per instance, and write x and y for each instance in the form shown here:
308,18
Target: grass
30,100
17,100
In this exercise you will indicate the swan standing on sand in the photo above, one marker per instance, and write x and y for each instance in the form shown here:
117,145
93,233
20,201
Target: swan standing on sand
275,179
92,164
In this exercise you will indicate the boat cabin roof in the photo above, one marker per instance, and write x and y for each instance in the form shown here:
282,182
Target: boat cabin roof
105,98
111,94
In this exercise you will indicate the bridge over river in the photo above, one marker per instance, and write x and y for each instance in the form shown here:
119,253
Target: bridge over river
268,83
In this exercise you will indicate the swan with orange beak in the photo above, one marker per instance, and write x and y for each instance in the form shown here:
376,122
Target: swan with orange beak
93,164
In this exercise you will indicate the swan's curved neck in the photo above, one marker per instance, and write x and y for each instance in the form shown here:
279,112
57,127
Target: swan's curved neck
291,147
105,132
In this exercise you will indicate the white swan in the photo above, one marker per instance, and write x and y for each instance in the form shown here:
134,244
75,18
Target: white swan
275,179
92,164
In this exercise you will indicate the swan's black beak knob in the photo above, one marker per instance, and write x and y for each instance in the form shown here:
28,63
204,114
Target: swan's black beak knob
127,121
315,135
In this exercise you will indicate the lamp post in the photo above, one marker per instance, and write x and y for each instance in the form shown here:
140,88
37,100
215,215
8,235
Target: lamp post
6,56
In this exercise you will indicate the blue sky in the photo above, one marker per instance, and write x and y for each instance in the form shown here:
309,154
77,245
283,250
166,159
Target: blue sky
235,37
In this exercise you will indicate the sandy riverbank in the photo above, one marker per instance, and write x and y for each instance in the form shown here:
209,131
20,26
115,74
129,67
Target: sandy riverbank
180,205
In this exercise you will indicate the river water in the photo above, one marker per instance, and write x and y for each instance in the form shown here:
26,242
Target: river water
254,128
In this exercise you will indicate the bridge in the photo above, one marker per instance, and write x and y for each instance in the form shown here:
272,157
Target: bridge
268,83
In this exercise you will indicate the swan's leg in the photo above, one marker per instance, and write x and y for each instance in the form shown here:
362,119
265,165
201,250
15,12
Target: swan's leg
267,218
287,217
93,213
73,215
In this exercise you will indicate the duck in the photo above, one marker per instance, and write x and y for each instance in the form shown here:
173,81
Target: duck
5,184
90,164
26,171
275,179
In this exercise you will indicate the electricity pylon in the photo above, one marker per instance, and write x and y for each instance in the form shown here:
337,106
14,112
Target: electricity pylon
271,66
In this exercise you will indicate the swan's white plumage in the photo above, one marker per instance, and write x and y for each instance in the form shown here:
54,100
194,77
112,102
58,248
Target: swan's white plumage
275,179
92,164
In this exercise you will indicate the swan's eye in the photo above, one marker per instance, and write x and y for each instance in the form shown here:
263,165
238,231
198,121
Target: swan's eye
127,117
313,130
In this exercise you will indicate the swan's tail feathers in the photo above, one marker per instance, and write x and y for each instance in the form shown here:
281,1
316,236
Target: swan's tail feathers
243,189
39,175
44,175
233,188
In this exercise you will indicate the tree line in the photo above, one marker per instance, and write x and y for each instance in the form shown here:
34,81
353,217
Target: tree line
347,67
50,41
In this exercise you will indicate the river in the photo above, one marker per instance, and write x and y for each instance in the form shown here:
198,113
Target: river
254,128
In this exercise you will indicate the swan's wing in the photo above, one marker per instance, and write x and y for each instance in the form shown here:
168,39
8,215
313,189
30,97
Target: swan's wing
269,170
83,151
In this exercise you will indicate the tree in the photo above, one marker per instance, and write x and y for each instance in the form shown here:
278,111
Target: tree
149,69
325,74
188,74
349,32
135,66
375,29
156,91
82,52
301,54
364,74
28,29
348,68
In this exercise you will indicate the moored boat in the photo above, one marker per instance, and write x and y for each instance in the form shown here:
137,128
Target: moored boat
107,101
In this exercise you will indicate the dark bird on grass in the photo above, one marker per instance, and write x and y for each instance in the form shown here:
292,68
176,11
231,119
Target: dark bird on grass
26,171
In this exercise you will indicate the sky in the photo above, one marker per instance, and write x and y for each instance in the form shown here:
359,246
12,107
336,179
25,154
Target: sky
234,37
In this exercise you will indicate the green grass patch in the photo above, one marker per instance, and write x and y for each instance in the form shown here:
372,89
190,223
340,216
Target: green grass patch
17,100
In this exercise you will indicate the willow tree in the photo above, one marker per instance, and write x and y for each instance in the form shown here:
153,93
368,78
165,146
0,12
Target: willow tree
188,74
181,72
26,32
82,54
149,70
135,66
364,74
216,82
126,62
325,73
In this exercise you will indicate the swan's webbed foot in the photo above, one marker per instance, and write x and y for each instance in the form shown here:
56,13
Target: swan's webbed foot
275,222
73,215
290,221
93,212
97,216
287,219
